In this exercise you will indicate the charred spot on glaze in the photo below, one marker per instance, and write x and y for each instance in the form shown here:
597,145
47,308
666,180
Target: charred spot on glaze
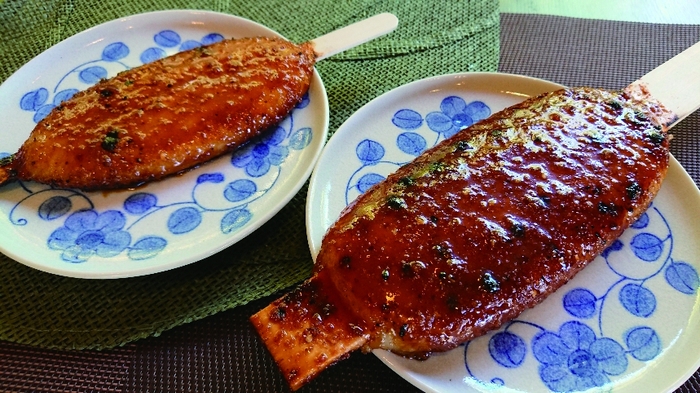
110,140
413,268
345,261
433,219
106,93
396,202
443,250
452,302
517,229
281,312
607,208
403,330
406,181
463,146
633,190
385,274
489,283
614,104
656,136
436,167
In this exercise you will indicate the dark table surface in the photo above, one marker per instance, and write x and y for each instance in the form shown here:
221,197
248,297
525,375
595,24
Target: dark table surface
222,353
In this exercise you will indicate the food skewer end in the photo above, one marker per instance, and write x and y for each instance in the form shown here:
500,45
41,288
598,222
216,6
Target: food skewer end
306,331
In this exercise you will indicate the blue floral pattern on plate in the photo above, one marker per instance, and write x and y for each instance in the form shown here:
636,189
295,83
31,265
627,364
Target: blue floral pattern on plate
580,354
623,315
232,195
454,114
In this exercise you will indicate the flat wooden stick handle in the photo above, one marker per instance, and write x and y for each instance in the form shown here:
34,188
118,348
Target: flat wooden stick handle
676,83
353,35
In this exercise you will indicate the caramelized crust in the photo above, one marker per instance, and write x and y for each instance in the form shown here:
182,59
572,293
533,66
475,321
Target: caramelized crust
484,225
166,116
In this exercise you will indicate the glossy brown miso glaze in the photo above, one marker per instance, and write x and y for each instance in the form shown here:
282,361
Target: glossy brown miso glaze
167,116
492,220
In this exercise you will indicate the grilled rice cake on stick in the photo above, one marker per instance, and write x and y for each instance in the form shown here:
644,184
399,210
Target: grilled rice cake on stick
175,113
166,116
475,230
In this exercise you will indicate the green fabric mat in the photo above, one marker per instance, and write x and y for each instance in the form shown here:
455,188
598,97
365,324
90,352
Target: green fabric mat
434,37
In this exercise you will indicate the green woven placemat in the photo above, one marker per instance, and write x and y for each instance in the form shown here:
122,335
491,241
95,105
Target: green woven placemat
434,37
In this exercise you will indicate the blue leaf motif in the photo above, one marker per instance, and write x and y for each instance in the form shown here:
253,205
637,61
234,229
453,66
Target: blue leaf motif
411,143
636,299
549,348
615,246
300,138
34,99
54,208
147,247
558,378
42,112
111,220
407,119
276,137
62,238
682,277
643,343
580,302
439,122
477,110
63,95
167,39
576,335
189,44
277,155
212,38
369,151
151,54
210,178
257,167
453,105
81,220
647,247
235,219
507,349
140,203
115,51
368,180
92,75
305,100
184,220
609,355
642,222
239,190
113,243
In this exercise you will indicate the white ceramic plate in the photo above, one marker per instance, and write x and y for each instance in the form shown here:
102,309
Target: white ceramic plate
164,224
627,323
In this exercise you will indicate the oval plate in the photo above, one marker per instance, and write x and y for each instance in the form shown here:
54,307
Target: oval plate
164,224
624,324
